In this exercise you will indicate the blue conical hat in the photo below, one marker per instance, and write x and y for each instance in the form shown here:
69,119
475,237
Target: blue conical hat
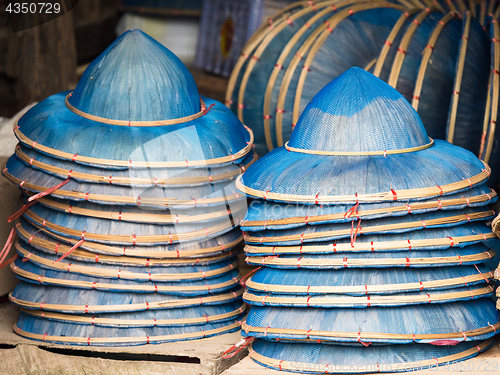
360,140
92,301
319,359
430,323
139,95
262,215
52,243
88,335
358,282
31,273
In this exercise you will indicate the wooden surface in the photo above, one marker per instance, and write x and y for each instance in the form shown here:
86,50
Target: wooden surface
22,356
475,365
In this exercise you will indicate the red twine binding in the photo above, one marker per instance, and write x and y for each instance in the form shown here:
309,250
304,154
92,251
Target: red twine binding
231,352
76,246
48,191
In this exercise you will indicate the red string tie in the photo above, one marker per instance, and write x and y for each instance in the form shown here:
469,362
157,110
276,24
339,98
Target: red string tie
394,194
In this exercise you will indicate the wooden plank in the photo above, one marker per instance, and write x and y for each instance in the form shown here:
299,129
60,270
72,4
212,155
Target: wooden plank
23,356
487,363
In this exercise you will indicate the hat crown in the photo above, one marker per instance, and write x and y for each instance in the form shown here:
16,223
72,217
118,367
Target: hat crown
358,112
136,79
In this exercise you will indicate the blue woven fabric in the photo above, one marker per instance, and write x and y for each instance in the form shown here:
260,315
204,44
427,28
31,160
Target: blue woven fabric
383,259
155,251
396,280
317,358
99,301
433,320
156,318
329,232
268,211
256,298
182,274
59,278
129,336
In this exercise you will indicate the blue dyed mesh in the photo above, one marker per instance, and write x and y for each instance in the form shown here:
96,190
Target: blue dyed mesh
137,79
255,298
358,112
64,330
90,299
313,358
333,280
285,172
430,319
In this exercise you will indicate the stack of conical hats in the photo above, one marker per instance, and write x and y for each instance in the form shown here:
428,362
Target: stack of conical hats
368,233
127,227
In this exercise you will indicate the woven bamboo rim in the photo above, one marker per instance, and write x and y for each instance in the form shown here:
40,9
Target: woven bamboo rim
330,24
360,213
365,336
155,218
131,238
486,120
458,79
366,247
388,196
279,66
253,42
426,56
495,225
139,322
491,8
360,153
142,274
496,88
451,6
350,263
419,224
130,163
78,195
291,366
390,40
365,301
367,289
397,64
129,340
58,248
497,12
84,309
140,287
318,43
482,12
177,121
110,179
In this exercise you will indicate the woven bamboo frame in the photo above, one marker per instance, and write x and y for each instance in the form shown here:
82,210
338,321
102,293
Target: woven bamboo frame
418,224
366,247
289,366
135,322
458,79
110,179
390,40
367,289
149,287
360,213
376,197
495,88
130,163
131,238
386,262
141,274
318,43
366,336
426,56
78,195
83,309
153,218
360,153
365,301
107,121
486,120
129,340
58,248
403,46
